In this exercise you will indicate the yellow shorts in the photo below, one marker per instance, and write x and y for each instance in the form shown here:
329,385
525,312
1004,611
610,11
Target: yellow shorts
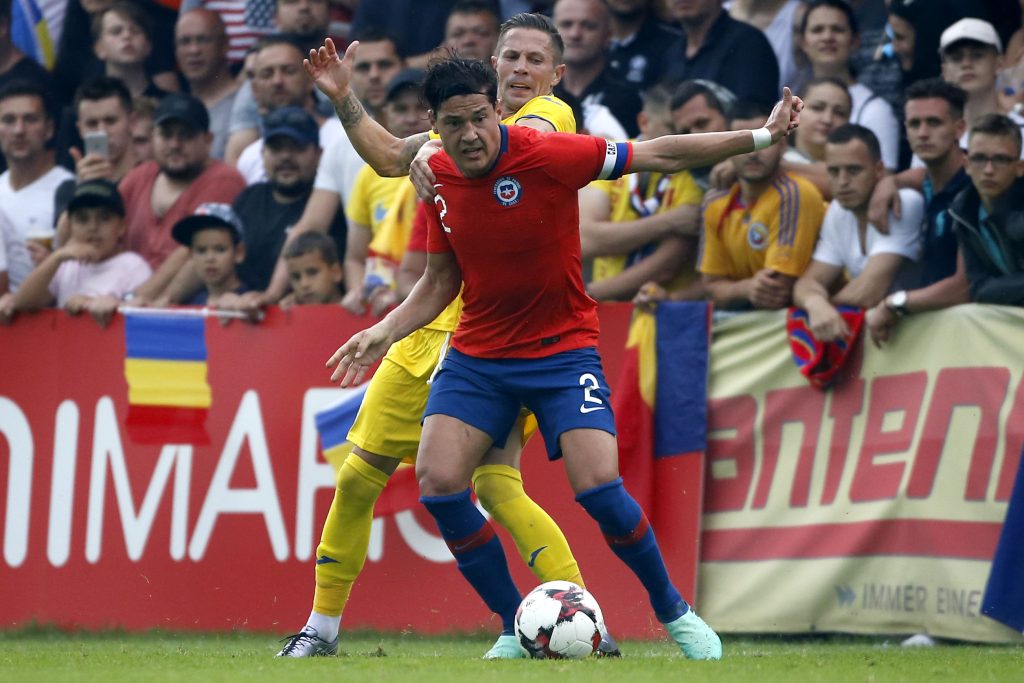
388,422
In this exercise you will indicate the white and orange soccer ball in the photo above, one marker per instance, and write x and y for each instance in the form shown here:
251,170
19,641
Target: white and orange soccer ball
557,620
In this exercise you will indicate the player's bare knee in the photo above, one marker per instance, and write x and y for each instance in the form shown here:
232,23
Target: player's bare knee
440,480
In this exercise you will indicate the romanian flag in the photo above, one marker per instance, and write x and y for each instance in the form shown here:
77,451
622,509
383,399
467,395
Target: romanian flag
333,424
30,31
661,416
1004,594
165,365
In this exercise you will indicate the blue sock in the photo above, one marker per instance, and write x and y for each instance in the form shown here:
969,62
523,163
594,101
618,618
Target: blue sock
630,536
478,553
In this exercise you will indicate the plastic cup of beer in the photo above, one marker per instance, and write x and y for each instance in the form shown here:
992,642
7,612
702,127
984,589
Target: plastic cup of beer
42,236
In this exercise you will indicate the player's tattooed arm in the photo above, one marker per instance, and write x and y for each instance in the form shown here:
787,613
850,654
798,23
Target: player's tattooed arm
412,145
350,111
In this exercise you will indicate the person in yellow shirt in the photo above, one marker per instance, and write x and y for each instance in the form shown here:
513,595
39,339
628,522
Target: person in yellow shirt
387,428
642,227
759,236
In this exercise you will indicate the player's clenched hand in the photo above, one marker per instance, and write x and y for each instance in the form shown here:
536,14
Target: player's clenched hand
329,72
419,170
785,116
355,357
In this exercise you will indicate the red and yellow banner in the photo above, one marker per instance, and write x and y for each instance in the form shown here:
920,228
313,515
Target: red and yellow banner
874,507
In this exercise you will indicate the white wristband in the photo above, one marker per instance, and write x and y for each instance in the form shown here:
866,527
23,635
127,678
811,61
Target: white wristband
762,138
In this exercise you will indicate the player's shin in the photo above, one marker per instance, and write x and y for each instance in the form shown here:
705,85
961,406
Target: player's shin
478,552
344,541
538,538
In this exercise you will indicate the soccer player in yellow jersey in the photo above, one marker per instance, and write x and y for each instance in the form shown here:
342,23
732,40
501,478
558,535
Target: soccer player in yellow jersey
387,429
759,237
642,227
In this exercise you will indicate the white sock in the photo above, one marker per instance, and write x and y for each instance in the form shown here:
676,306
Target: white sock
326,627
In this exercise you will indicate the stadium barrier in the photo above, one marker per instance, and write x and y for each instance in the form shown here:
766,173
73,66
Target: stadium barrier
871,508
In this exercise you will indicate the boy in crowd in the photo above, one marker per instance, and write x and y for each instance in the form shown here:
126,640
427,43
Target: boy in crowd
314,270
988,216
213,235
91,272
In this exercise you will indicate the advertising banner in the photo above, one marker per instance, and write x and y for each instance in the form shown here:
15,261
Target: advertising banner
873,507
173,476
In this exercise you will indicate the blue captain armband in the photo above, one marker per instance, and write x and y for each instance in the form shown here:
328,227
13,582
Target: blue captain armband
616,160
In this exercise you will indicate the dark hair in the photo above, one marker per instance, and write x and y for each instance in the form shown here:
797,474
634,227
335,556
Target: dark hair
279,39
131,11
311,242
827,80
476,7
840,5
537,22
454,76
5,9
102,87
26,88
855,131
750,109
374,34
939,89
997,124
718,97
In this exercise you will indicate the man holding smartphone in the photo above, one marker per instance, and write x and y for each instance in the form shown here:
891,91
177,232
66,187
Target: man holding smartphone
103,112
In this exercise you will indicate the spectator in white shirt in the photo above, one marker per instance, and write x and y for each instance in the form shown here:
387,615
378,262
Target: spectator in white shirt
849,243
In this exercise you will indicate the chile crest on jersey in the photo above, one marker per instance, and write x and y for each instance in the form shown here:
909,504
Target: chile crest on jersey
507,190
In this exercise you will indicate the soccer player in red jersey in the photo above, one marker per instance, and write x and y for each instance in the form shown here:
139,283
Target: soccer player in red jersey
505,223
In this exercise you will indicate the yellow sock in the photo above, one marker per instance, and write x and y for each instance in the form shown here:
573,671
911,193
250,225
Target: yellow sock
540,542
346,535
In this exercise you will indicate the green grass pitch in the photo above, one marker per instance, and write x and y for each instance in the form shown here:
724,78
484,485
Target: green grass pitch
43,655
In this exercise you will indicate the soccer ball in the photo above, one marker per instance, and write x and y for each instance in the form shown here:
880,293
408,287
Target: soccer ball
559,619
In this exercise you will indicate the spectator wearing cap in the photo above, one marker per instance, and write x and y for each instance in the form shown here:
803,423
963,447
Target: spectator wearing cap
291,152
201,48
716,47
159,193
988,216
28,186
305,22
381,210
280,81
849,244
585,26
213,236
91,272
971,52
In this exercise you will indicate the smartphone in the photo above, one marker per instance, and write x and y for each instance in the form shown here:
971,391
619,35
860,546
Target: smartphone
96,143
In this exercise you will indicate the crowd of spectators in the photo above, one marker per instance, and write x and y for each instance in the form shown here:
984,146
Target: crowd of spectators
176,152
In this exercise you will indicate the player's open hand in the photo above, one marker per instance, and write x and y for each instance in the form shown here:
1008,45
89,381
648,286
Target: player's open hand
354,359
785,116
329,72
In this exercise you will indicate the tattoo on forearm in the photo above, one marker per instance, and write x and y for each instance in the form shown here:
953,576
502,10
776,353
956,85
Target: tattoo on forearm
350,111
412,145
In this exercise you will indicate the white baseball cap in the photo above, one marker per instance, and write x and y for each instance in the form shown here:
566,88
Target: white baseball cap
977,30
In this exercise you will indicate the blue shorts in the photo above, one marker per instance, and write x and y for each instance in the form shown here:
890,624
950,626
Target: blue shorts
565,391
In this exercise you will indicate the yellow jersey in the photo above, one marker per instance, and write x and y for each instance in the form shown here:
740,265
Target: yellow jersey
639,195
778,232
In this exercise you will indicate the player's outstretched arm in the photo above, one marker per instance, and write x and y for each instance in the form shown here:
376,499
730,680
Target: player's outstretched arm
674,153
332,74
437,288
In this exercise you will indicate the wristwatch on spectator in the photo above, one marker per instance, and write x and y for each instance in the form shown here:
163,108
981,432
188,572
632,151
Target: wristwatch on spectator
897,302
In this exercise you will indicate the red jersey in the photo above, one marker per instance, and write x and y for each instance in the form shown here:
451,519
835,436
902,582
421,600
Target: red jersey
515,234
